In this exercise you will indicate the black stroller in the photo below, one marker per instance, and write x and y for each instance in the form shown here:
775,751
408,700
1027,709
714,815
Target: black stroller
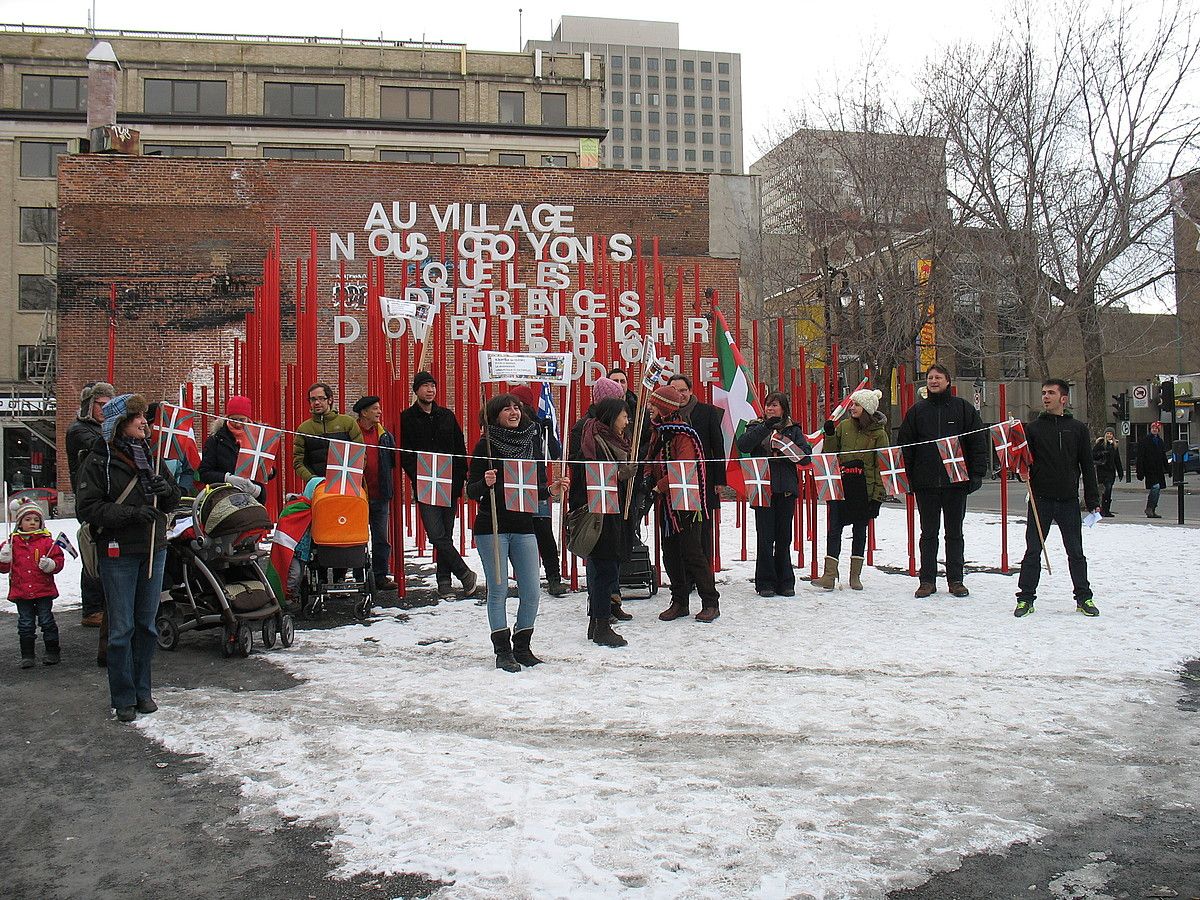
216,576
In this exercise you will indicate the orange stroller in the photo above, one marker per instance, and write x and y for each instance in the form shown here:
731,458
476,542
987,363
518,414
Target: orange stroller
340,562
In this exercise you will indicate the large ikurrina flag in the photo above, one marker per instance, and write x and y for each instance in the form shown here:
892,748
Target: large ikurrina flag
736,397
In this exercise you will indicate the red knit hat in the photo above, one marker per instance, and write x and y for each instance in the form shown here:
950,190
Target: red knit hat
666,399
524,393
239,406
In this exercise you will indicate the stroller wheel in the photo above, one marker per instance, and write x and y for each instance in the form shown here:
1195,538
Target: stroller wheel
287,630
362,607
168,634
228,641
269,630
245,640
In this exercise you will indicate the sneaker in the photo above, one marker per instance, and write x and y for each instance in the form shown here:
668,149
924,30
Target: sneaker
766,592
557,588
1024,608
1088,608
445,588
925,589
126,713
470,582
386,583
27,662
147,706
93,620
958,589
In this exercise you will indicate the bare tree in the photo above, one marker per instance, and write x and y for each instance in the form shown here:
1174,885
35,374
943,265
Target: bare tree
1066,145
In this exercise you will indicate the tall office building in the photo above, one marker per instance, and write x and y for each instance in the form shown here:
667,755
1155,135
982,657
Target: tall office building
275,97
666,108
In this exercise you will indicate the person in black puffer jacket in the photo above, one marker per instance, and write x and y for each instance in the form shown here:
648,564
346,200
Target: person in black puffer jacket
773,572
218,465
125,501
1106,453
82,437
941,415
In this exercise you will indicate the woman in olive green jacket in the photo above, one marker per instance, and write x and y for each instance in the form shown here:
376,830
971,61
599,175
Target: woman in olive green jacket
855,439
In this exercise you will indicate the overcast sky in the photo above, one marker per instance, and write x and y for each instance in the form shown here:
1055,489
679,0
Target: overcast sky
785,54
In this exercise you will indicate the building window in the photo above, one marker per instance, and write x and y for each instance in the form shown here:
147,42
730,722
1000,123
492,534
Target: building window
707,156
726,140
39,225
654,135
706,102
652,82
618,115
617,80
326,153
689,65
651,63
672,118
672,137
723,103
618,97
672,100
653,99
724,121
35,293
307,101
652,118
192,150
442,157
554,161
635,152
635,62
707,138
726,157
618,134
706,66
689,137
512,108
554,109
635,81
655,153
671,82
706,84
178,96
635,134
689,101
689,119
427,104
39,159
618,152
635,115
706,120
615,62
689,84
511,159
672,154
32,362
58,92
635,98
722,68
689,155
723,86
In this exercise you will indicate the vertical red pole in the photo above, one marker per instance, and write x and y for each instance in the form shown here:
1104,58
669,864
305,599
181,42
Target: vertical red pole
754,341
812,514
112,333
835,364
780,363
1003,487
910,502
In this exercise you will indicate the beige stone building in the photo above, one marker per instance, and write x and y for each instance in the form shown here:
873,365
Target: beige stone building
248,96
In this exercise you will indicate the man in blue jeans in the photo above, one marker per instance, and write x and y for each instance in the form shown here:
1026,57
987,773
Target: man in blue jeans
379,468
1061,447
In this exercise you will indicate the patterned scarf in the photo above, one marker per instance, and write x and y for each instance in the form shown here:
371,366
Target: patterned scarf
139,454
594,430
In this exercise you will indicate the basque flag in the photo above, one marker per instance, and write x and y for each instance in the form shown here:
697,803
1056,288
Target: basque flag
756,472
257,461
602,494
434,477
520,485
828,473
177,434
344,468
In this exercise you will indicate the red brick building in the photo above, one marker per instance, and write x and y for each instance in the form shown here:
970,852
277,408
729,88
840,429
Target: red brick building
183,240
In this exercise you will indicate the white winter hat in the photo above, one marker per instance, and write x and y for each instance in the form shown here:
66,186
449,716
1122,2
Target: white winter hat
868,400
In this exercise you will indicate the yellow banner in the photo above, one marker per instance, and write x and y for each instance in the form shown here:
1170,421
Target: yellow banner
927,343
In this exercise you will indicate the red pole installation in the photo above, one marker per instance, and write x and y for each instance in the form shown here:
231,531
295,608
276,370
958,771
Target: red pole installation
1003,487
112,333
910,502
780,363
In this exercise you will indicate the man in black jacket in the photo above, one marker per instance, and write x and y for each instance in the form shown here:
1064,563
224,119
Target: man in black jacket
706,419
941,415
82,437
435,429
1152,466
1062,453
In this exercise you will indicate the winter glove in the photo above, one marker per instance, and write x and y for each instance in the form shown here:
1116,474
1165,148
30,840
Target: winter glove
145,515
6,553
974,485
243,484
773,421
159,486
830,426
46,564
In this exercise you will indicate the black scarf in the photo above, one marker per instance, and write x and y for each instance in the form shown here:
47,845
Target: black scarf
515,443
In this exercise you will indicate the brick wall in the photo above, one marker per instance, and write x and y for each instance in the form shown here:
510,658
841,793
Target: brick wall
161,229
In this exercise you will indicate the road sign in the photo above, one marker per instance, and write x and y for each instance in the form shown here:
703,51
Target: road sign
1124,429
1141,396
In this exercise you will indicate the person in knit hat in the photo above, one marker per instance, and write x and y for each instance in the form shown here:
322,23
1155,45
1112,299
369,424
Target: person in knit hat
218,463
855,440
426,427
82,437
543,525
125,499
30,558
379,472
682,530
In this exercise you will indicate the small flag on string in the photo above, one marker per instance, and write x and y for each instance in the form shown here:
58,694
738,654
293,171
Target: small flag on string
257,461
785,446
891,469
683,482
951,451
344,468
828,473
520,485
756,473
602,494
434,478
177,434
1011,446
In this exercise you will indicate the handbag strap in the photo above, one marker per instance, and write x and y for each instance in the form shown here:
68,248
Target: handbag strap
128,490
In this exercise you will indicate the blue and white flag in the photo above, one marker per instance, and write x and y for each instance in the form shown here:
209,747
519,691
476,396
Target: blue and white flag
548,415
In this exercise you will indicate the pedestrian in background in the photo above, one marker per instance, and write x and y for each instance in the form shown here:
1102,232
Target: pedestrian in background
1106,454
30,558
82,437
1152,467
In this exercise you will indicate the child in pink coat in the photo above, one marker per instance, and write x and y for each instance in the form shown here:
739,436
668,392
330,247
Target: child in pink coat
30,559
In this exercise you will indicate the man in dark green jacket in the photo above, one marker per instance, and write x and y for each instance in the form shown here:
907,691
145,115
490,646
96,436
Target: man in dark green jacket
310,448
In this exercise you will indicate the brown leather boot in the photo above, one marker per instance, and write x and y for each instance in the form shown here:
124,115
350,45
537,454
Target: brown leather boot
925,589
828,579
708,614
618,611
856,567
673,612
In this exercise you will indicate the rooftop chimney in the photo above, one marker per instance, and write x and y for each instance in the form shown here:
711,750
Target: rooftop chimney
102,86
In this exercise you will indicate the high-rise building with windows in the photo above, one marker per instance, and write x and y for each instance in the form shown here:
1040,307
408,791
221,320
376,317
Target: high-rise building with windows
665,107
213,95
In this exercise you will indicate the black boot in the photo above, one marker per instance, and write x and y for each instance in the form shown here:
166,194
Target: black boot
601,633
521,651
556,587
618,612
53,656
502,644
27,643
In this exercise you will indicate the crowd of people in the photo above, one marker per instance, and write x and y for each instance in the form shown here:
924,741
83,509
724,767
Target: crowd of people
125,495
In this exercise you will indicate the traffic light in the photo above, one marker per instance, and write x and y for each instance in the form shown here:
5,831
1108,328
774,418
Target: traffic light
1166,394
1120,406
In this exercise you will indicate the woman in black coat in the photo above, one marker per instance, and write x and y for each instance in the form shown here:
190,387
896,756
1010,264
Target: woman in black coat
604,437
1152,467
219,461
1106,453
773,572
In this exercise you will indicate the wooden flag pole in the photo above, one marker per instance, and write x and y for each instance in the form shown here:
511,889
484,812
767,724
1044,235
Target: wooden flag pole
154,501
636,446
487,437
1037,520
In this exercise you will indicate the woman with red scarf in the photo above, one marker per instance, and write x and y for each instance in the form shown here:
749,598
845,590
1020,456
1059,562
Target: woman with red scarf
219,462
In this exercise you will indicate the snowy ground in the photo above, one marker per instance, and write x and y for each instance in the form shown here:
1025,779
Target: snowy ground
827,745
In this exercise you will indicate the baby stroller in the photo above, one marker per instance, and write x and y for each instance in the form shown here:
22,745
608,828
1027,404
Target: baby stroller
339,564
216,578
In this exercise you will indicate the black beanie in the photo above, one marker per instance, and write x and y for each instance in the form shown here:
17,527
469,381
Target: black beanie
365,403
423,378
